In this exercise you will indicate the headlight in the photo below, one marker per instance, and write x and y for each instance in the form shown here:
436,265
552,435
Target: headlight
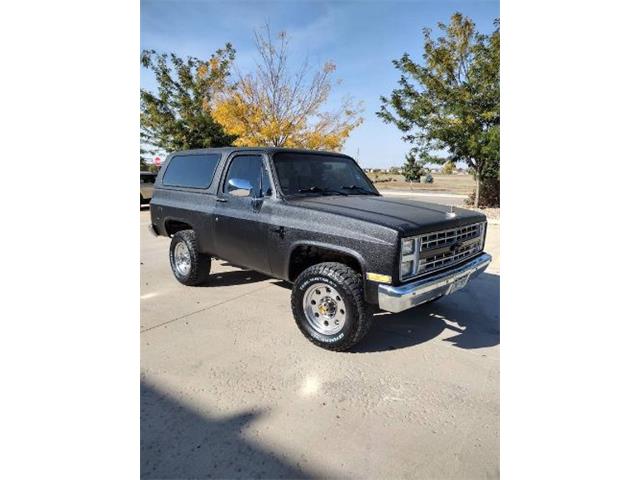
408,244
406,268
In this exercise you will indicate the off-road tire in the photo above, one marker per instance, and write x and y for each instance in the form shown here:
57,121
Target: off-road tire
200,263
349,284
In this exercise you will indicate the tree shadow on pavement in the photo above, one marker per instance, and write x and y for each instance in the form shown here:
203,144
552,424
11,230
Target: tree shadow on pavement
473,314
178,442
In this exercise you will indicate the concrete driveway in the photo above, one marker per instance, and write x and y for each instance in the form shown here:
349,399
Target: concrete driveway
231,389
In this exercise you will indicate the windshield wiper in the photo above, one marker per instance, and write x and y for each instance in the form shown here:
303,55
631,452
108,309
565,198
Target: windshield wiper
324,191
360,189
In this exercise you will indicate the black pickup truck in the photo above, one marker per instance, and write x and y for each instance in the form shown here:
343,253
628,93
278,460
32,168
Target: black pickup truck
313,219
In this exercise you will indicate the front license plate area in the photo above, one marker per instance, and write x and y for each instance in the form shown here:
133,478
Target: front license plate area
458,284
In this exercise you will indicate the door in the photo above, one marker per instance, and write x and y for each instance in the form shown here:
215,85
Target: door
241,217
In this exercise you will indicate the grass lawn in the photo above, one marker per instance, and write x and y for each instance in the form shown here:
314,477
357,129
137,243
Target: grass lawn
460,184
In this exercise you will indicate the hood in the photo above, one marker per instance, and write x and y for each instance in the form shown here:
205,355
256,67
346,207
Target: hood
409,217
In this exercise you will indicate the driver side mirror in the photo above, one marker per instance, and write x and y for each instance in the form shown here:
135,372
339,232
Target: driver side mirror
241,187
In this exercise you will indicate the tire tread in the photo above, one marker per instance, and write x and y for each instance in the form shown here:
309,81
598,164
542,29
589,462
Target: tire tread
351,281
200,263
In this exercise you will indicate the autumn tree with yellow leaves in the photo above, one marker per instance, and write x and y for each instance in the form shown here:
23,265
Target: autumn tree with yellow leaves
277,107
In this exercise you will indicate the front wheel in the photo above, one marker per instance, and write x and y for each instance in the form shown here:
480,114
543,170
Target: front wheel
189,266
328,305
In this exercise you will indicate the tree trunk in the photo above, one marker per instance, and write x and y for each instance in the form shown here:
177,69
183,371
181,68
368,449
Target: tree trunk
477,199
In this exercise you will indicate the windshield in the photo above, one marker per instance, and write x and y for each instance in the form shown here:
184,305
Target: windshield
307,173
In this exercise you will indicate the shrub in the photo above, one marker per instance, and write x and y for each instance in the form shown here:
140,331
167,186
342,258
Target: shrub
489,193
448,168
426,178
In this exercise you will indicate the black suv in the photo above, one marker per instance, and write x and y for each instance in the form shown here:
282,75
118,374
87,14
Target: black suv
313,219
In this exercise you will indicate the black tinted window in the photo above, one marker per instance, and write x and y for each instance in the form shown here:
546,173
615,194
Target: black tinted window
302,172
194,171
248,168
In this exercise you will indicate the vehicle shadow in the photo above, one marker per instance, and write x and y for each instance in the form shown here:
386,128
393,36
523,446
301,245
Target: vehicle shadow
233,277
177,441
473,314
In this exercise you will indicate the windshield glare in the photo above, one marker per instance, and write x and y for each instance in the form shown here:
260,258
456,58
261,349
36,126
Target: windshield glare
301,173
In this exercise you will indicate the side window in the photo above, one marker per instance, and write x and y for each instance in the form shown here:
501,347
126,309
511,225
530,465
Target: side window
193,171
248,169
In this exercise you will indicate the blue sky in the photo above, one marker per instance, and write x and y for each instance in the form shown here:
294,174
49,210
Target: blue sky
361,37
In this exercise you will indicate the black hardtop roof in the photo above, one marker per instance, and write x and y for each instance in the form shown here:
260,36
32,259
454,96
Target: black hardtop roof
268,150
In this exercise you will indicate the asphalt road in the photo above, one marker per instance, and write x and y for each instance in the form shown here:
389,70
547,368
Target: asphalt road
231,389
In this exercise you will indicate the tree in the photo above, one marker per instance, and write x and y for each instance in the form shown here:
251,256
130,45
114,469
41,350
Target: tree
411,168
176,117
448,168
144,166
452,101
274,107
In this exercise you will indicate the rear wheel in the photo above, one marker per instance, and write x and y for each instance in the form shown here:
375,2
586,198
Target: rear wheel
328,305
189,266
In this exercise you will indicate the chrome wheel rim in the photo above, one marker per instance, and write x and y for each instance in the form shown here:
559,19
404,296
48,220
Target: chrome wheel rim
181,258
324,309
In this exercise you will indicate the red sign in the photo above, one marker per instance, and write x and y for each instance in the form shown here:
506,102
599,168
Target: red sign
157,161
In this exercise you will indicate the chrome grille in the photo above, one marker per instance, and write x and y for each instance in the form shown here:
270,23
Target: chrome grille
449,247
438,250
442,260
449,237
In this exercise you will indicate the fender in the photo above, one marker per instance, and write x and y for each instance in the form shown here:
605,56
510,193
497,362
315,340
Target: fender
327,246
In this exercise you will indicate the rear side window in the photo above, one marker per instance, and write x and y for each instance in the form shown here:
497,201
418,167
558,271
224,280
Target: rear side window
193,171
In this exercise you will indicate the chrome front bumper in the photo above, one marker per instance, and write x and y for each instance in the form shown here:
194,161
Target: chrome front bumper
396,299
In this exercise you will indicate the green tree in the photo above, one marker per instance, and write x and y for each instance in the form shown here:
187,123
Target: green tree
452,100
177,116
411,168
144,166
427,158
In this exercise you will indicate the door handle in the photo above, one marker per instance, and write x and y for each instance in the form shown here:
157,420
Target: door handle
222,200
